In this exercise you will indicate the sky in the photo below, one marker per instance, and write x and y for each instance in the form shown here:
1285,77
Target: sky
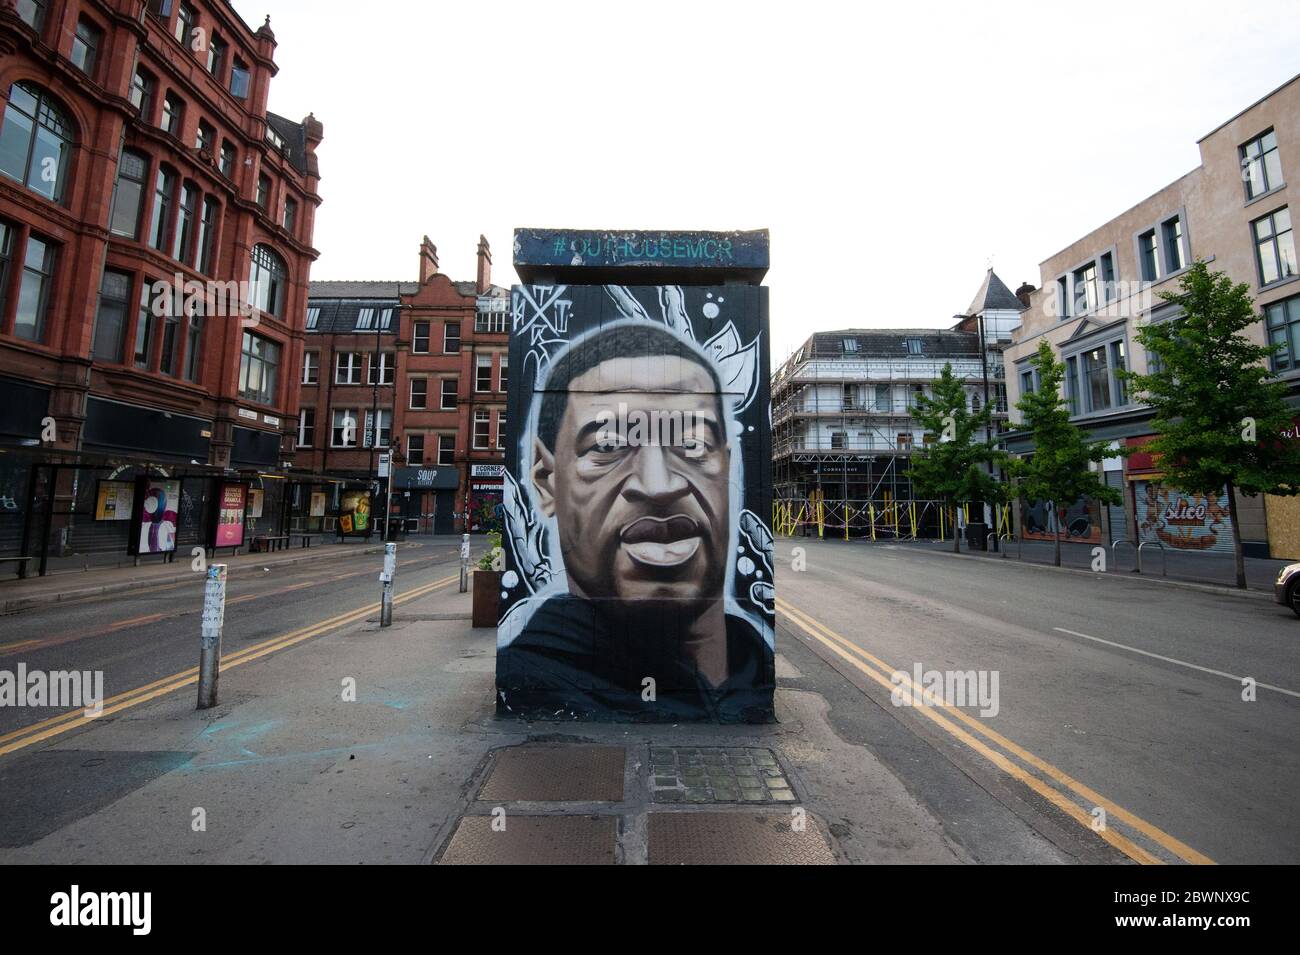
894,151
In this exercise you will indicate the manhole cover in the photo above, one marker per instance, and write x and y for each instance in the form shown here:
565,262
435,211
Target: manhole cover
735,838
533,840
544,773
733,774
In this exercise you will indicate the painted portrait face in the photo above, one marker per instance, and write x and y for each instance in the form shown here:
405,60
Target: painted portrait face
639,480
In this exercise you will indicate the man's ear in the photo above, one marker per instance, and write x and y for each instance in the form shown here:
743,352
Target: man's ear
543,474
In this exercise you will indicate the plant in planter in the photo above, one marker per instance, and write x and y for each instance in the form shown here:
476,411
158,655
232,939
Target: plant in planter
487,583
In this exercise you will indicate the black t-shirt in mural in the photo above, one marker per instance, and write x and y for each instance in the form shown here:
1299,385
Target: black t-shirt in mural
573,661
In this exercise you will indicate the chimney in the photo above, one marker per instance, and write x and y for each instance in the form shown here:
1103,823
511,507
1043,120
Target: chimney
428,260
1024,292
484,266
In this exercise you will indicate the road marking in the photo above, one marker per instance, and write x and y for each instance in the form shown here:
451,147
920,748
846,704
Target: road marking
1181,663
820,632
56,725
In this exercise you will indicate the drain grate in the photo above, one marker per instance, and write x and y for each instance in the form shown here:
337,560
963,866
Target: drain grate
704,774
533,840
548,773
735,838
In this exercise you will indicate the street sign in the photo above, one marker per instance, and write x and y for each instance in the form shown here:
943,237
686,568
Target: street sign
383,465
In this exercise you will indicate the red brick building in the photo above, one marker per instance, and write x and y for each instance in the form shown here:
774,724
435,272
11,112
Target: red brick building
426,363
137,155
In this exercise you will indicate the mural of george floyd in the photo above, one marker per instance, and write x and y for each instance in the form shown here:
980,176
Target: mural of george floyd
637,505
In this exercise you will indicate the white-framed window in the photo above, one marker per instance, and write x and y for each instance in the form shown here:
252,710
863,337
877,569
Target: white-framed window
482,372
446,450
306,427
451,338
448,394
385,421
365,318
347,368
501,430
387,361
482,429
310,367
419,393
503,373
420,338
414,450
344,433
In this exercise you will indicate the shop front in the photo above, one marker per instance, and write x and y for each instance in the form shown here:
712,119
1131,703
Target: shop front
424,498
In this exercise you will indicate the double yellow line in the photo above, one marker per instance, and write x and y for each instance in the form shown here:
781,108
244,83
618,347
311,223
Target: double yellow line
948,718
36,732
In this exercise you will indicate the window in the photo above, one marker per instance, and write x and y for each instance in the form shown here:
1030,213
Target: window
1107,289
415,450
205,136
837,440
490,320
451,338
446,450
267,281
290,214
173,114
347,368
419,393
483,373
385,427
386,367
1092,379
171,324
1261,165
501,430
208,235
503,373
420,338
111,316
365,317
142,86
1147,258
1118,364
344,434
1283,322
386,318
1274,246
194,342
216,56
850,345
227,161
185,20
85,46
1175,254
482,426
1096,379
6,258
263,190
183,246
33,13
904,440
306,427
259,365
310,367
34,289
1027,382
35,141
164,187
239,78
128,194
912,346
1085,288
144,328
313,316
162,9
448,394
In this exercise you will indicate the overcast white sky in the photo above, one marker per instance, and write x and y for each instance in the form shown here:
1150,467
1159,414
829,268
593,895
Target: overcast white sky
894,151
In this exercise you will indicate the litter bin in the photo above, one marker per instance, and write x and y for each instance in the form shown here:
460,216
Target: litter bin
977,535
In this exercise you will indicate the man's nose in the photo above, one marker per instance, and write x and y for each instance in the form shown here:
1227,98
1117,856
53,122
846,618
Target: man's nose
653,478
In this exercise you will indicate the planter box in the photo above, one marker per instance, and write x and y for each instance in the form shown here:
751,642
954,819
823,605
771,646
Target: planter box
487,597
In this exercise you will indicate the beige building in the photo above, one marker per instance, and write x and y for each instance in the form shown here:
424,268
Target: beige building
1234,210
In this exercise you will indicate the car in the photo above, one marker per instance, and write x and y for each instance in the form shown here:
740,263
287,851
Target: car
1286,589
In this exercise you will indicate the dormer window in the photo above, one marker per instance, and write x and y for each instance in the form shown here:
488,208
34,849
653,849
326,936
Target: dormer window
912,346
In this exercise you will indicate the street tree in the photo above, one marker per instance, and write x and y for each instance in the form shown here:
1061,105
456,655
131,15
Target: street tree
1220,413
955,467
1058,470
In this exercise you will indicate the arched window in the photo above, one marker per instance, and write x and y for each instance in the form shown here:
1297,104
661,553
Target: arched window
267,281
35,141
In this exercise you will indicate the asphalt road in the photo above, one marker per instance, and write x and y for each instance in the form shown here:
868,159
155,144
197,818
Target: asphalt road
1181,766
137,637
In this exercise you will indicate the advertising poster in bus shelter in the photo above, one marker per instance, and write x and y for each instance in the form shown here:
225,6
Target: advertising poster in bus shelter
113,500
354,512
157,502
230,515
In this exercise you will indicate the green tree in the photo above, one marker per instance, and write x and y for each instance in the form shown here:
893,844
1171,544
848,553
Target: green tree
954,468
1219,411
1057,471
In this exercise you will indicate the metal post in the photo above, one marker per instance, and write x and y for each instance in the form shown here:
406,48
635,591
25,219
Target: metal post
214,618
386,577
464,563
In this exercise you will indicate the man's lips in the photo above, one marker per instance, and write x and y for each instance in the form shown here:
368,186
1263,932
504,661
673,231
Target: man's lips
661,542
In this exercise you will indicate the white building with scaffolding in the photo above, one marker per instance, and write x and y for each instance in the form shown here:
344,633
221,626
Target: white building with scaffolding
843,416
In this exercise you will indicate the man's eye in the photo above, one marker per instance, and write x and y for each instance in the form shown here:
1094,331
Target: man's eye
608,444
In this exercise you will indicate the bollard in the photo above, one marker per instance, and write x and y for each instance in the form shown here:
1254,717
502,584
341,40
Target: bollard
214,617
386,578
464,563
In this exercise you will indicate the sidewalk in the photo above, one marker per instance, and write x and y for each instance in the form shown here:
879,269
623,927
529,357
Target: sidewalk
419,768
22,594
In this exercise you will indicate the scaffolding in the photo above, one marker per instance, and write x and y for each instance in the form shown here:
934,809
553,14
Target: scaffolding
844,429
